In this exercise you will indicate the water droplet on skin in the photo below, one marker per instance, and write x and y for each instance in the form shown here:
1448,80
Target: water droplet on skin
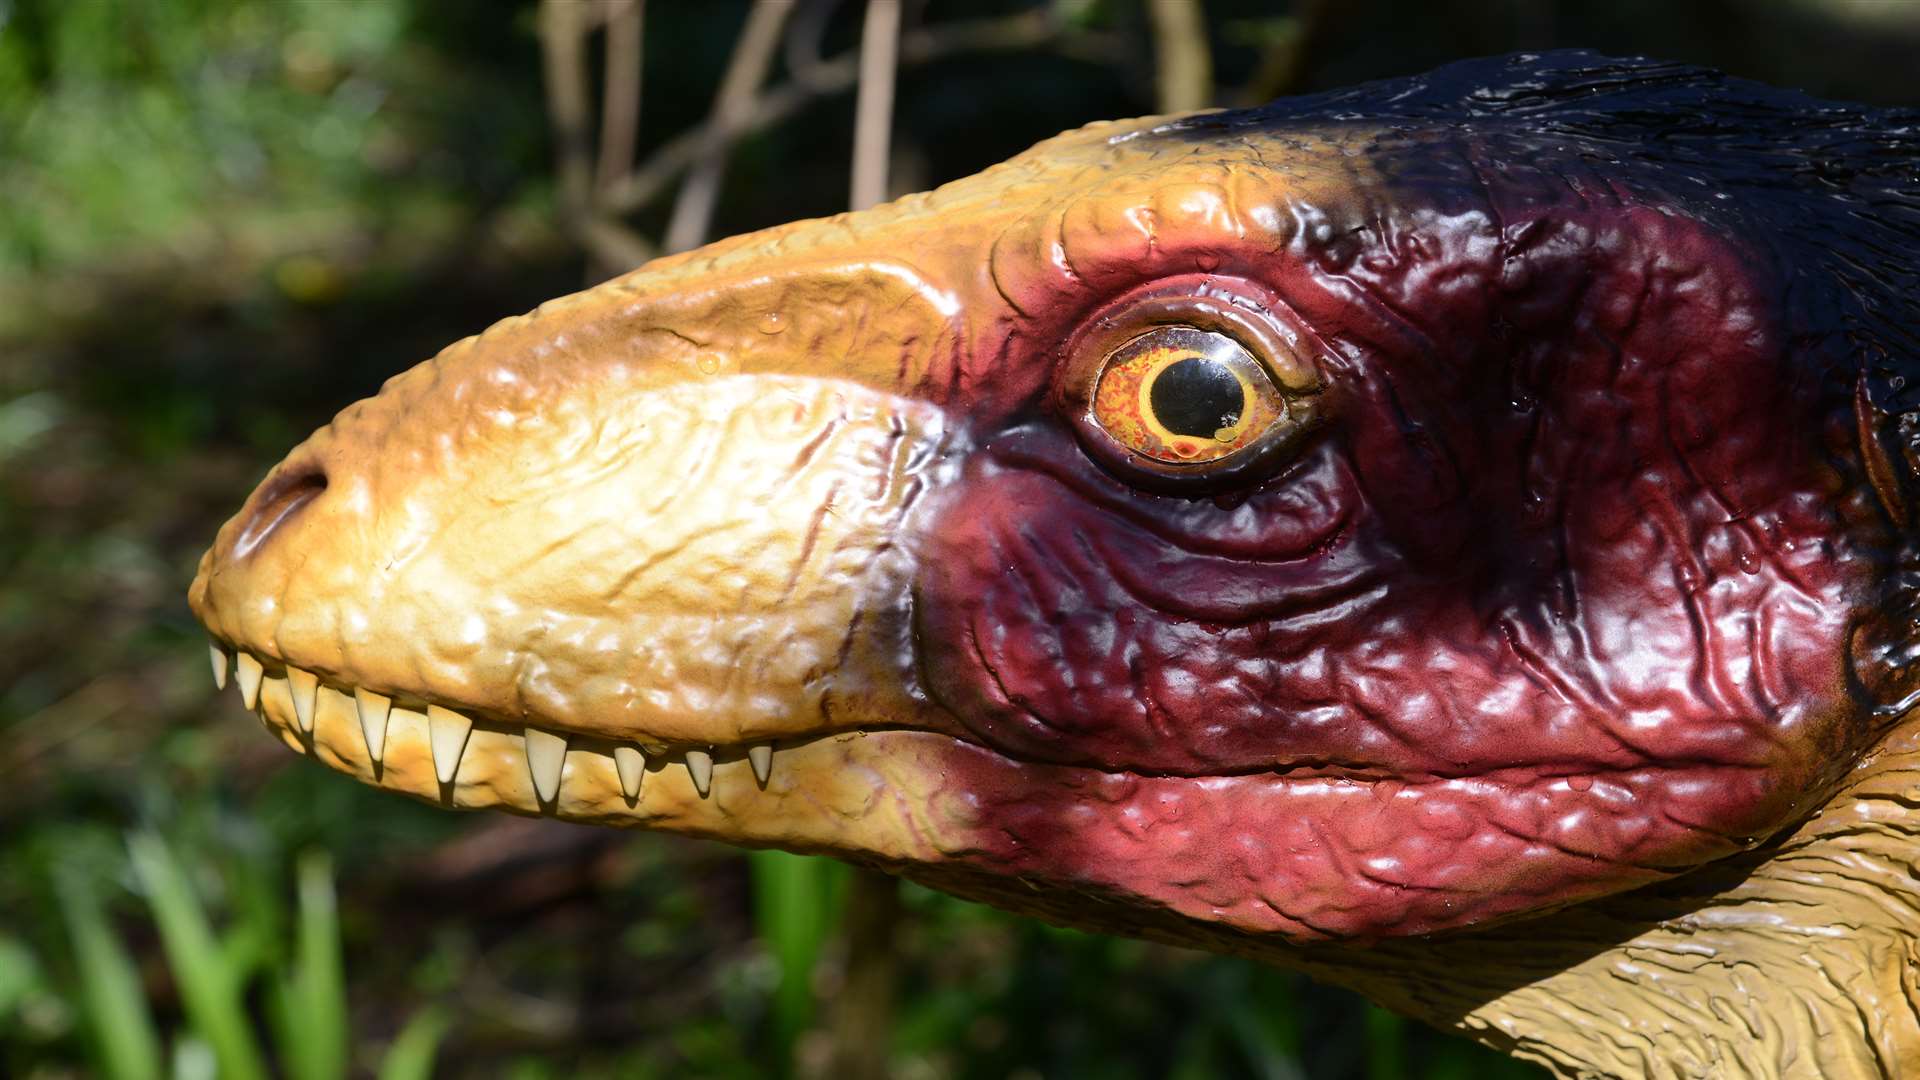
772,322
709,365
1580,783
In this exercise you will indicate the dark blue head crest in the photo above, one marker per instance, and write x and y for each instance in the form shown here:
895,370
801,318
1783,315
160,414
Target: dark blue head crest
1570,90
1833,187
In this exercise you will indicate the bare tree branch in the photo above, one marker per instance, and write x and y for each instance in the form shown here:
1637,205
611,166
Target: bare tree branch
873,108
564,27
1027,30
805,33
614,247
752,57
620,98
563,32
1185,77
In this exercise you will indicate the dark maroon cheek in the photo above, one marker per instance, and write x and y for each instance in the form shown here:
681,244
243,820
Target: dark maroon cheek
1068,618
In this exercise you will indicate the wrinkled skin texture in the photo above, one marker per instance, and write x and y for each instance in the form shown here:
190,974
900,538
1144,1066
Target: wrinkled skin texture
1575,563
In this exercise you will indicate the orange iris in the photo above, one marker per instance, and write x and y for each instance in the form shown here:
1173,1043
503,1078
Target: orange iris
1185,396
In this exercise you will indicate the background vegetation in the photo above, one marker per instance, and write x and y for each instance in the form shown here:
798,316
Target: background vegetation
222,220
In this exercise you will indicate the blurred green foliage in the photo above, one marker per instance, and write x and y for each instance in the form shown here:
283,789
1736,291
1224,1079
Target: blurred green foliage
130,120
221,220
297,967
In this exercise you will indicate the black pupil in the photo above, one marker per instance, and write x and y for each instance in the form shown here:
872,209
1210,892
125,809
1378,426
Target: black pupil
1196,397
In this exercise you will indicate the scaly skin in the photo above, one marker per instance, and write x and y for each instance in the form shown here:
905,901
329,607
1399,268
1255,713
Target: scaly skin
1572,562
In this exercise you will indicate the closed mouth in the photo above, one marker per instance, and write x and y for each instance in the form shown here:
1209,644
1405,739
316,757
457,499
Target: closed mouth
454,736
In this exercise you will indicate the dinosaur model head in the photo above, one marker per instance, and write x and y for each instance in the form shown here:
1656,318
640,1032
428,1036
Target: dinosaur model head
1362,518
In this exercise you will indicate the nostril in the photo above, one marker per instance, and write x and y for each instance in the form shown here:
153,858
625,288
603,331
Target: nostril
276,501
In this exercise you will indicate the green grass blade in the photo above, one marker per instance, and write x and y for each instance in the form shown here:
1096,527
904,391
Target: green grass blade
209,991
316,990
794,913
413,1050
126,1045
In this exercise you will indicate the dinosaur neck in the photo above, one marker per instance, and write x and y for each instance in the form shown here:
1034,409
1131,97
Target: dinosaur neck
1801,958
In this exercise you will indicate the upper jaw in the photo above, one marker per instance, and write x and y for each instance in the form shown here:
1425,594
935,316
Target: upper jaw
443,753
760,600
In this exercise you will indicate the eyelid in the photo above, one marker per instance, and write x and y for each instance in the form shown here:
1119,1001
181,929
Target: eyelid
1241,311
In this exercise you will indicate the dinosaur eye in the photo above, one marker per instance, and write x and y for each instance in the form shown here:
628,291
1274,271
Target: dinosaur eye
1180,395
1192,387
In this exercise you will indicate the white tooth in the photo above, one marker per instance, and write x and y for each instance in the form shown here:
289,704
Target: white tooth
761,758
632,766
700,767
546,757
306,691
247,672
448,732
220,660
373,708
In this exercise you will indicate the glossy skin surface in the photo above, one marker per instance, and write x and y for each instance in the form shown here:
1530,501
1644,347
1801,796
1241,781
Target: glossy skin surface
1569,564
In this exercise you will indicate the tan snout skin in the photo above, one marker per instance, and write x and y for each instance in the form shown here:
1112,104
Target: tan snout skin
685,567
